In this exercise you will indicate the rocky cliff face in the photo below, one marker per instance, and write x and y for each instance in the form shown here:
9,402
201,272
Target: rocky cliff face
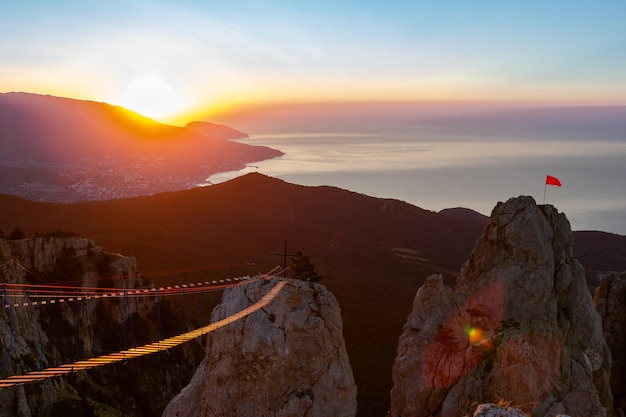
519,326
610,300
47,335
287,359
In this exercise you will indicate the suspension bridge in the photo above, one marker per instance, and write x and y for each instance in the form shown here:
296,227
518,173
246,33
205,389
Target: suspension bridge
26,296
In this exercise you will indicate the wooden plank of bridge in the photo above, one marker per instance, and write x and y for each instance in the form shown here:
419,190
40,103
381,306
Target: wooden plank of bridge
21,379
132,353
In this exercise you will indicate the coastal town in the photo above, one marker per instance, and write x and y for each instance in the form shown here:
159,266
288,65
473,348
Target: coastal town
107,178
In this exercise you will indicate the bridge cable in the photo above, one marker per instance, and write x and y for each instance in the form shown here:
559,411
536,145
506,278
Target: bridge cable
159,324
198,317
124,318
210,305
94,351
132,323
36,320
183,315
78,330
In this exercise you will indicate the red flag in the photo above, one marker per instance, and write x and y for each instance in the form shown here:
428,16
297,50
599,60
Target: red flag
552,181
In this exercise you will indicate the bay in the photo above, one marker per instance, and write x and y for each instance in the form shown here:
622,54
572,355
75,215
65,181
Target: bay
437,170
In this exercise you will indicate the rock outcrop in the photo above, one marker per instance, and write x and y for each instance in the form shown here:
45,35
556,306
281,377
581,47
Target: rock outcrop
287,359
519,326
610,300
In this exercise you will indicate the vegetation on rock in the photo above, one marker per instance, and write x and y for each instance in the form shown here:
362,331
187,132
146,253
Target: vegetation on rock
303,268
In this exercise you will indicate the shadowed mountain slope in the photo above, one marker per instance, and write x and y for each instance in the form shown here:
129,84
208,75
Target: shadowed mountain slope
374,253
59,149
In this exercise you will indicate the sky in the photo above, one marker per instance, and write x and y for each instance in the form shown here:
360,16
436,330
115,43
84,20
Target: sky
185,59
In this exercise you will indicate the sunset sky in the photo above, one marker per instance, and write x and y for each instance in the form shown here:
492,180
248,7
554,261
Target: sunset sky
177,60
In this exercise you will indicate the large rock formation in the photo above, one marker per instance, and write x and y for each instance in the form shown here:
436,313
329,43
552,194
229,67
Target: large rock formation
287,359
519,326
610,300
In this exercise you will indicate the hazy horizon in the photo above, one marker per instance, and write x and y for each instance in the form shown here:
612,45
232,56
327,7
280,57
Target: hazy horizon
191,60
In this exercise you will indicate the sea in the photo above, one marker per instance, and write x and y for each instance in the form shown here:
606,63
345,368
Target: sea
435,169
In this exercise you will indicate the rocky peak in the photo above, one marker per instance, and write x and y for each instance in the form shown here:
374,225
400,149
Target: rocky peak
519,326
287,359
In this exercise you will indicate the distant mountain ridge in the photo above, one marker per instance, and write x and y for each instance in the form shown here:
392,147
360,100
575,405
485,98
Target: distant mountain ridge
215,130
464,213
61,149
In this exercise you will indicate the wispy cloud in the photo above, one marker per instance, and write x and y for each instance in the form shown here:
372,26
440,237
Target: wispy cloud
353,50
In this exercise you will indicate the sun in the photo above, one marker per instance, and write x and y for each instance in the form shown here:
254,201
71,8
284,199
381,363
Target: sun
152,96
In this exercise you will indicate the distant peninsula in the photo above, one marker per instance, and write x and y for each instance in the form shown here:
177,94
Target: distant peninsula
215,130
64,150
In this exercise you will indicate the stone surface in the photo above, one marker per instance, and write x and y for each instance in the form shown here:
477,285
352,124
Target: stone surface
610,300
40,254
287,359
519,326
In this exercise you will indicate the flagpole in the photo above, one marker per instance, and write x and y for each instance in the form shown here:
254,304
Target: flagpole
550,181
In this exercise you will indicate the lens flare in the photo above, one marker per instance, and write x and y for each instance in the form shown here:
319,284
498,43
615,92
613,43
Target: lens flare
478,338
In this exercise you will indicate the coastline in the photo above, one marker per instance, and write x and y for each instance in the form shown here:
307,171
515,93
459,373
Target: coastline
435,174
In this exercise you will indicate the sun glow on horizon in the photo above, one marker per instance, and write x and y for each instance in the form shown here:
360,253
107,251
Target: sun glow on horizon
152,96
